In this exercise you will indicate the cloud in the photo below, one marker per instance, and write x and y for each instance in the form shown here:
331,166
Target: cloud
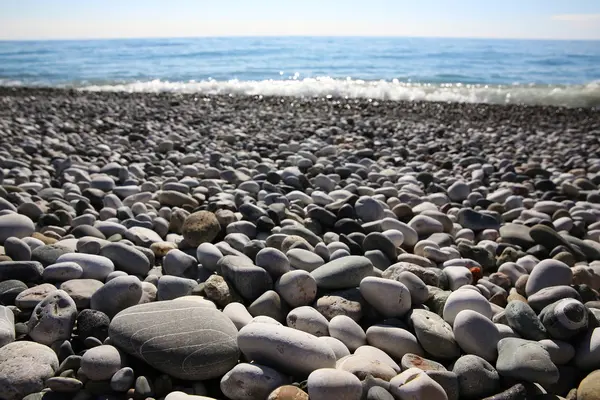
577,17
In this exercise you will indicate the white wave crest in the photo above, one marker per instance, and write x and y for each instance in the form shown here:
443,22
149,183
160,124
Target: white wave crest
565,95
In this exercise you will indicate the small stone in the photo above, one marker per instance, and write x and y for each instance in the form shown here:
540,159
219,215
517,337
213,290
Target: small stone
17,249
208,255
288,392
297,288
394,341
126,258
61,272
329,383
64,385
122,380
251,381
416,384
565,319
94,266
92,323
275,262
309,320
363,367
100,363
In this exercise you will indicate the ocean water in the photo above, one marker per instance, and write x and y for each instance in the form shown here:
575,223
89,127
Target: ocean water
457,70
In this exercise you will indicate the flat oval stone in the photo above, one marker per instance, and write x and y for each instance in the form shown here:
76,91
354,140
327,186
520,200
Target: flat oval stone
343,273
186,340
81,290
297,288
285,349
61,272
16,225
126,258
94,266
304,259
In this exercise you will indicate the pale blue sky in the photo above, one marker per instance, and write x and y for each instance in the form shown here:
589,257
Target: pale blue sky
81,19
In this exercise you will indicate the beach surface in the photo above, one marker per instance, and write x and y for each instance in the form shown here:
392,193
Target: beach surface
185,246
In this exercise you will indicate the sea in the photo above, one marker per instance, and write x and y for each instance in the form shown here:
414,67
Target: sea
543,72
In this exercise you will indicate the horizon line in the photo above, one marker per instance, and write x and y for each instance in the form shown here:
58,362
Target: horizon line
272,36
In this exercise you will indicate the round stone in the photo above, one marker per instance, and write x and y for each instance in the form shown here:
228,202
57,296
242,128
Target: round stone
565,319
297,288
347,331
200,227
548,273
100,363
476,334
24,368
329,383
434,334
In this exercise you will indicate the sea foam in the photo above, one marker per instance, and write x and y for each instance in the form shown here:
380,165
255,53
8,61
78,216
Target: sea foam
565,95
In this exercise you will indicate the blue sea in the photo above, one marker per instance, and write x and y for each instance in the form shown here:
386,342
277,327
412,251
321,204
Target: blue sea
454,70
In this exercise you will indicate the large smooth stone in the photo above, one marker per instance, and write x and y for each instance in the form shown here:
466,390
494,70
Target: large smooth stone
548,273
251,381
24,271
525,360
394,341
328,383
285,349
24,369
16,225
81,290
186,340
343,273
524,321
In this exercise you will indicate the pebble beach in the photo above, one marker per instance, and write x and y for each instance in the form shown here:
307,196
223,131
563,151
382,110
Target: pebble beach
194,247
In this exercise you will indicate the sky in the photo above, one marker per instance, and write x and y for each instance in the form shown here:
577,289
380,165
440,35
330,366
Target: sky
89,19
